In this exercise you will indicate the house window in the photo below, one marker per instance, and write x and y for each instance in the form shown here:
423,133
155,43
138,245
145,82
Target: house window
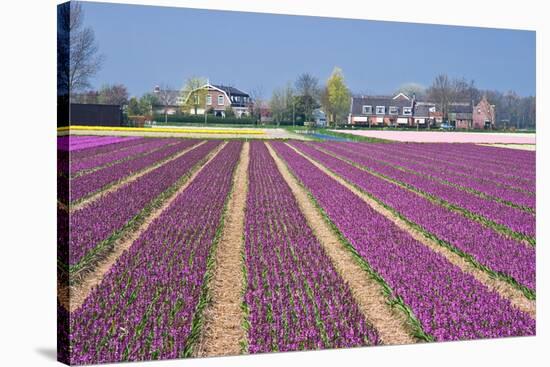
209,99
367,110
220,100
407,111
197,99
394,110
380,110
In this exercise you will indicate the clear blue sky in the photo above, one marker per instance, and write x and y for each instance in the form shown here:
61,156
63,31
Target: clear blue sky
147,45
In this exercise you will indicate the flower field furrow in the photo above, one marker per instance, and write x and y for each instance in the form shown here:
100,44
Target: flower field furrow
474,181
508,178
86,185
88,152
295,298
448,303
145,306
99,220
513,218
488,248
124,153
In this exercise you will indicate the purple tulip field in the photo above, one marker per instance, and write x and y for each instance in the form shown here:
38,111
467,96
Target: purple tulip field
442,238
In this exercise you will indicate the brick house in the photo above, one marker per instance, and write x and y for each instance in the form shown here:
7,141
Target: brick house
483,115
221,97
382,110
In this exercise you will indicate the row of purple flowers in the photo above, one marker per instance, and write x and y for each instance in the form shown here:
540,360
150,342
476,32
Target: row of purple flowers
86,185
145,306
513,218
295,298
449,304
489,248
101,219
101,160
454,166
75,143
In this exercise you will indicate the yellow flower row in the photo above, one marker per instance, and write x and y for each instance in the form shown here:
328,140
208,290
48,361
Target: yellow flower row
163,130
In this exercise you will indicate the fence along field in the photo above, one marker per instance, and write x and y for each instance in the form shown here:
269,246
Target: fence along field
150,304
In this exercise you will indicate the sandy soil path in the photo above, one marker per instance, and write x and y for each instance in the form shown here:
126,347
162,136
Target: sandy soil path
223,318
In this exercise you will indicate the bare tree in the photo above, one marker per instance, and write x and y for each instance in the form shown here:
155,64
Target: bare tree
441,92
307,88
167,97
460,90
78,59
278,105
258,102
113,94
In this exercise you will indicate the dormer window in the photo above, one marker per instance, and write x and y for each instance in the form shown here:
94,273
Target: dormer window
380,110
394,110
367,110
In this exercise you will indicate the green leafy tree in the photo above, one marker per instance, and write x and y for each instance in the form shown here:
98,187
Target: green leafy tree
146,103
338,96
133,107
194,95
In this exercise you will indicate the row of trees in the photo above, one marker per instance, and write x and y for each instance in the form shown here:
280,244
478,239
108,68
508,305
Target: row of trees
107,94
296,102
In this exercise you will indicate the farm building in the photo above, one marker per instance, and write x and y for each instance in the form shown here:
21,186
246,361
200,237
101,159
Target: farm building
483,115
460,115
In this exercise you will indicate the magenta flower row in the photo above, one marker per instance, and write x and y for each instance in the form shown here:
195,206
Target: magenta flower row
97,221
144,306
449,304
489,248
295,297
